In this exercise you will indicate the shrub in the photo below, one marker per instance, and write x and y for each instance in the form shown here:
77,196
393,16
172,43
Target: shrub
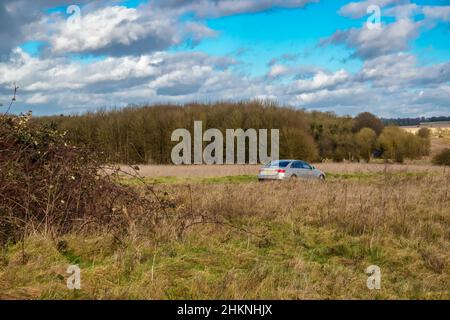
366,141
424,133
398,144
442,158
49,186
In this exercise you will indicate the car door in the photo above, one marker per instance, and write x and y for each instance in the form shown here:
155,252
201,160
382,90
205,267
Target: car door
307,170
298,169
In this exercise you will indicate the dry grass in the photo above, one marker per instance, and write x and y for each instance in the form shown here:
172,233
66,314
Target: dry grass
216,233
439,144
192,171
260,240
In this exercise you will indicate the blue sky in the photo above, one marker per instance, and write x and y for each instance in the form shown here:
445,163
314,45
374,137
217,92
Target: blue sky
264,36
318,55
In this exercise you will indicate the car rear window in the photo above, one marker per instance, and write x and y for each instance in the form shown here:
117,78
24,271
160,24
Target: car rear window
279,164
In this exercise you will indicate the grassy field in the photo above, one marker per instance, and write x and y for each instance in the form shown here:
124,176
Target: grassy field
230,237
195,174
208,171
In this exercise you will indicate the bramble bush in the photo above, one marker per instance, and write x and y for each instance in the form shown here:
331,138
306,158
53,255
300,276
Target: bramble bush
48,185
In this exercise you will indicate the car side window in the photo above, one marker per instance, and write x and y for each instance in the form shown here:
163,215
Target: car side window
297,165
306,166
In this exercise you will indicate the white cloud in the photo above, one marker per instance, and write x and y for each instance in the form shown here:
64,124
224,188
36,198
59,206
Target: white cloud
321,80
359,9
106,27
403,71
437,12
277,70
116,30
392,37
136,69
218,8
37,98
388,85
16,14
68,83
371,43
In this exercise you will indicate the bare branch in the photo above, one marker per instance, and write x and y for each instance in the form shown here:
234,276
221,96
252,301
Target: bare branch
13,99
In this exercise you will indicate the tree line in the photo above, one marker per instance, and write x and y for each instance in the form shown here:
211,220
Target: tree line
142,134
414,121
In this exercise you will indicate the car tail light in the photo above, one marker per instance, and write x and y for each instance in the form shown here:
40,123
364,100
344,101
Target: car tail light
281,171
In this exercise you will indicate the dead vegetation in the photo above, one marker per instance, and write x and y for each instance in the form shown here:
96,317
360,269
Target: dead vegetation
49,187
260,240
245,240
195,171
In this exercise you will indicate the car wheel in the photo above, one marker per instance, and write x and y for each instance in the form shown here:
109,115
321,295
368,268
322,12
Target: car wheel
293,178
322,177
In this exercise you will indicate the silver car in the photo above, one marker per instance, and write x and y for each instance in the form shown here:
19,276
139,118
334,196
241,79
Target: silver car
289,169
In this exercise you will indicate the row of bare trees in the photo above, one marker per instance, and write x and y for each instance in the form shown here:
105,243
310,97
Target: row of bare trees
143,134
